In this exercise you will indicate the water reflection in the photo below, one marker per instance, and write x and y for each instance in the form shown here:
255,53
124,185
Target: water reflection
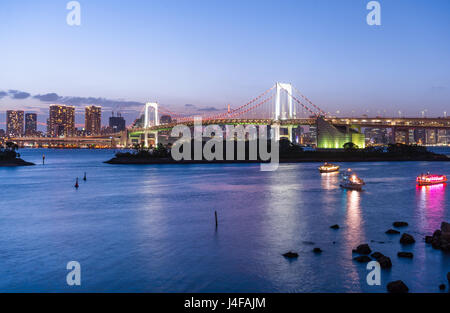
353,216
431,204
329,181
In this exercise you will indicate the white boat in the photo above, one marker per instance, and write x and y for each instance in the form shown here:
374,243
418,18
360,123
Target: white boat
351,181
328,168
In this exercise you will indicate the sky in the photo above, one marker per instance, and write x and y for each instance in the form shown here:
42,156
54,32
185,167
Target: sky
218,52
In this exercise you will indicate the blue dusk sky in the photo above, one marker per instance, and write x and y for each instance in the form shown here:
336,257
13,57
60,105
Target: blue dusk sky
211,53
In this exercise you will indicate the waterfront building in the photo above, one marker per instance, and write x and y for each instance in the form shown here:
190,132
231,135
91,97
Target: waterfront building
376,135
93,118
334,137
61,121
117,123
431,136
419,136
14,123
443,136
30,124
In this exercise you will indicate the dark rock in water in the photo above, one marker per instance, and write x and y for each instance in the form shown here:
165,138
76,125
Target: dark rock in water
428,239
334,242
362,259
442,287
392,232
291,255
336,226
317,250
437,234
385,262
397,287
363,249
448,277
400,224
407,239
408,255
445,227
377,255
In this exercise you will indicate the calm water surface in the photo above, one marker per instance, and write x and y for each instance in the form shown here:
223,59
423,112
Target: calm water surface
151,228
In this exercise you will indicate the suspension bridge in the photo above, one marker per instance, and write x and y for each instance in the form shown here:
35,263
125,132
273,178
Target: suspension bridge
282,105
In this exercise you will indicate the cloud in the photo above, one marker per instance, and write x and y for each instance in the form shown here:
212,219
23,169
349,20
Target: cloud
16,94
208,109
49,97
3,94
80,101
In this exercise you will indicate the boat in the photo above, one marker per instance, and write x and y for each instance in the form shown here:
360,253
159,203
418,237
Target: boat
329,168
430,179
351,181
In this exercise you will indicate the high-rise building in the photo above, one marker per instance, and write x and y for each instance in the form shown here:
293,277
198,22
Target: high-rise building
93,120
61,121
117,123
14,123
30,124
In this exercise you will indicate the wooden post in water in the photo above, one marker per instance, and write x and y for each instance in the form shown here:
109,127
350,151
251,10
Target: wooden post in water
215,214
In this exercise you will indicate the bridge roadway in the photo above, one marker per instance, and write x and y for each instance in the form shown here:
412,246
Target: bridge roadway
377,122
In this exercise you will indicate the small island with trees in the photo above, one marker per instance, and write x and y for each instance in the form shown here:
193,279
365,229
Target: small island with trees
9,156
288,153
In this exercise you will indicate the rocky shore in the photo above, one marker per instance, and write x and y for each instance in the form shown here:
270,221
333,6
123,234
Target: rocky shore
440,240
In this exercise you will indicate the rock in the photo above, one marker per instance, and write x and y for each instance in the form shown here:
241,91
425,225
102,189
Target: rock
291,255
442,287
445,227
437,234
397,286
408,255
385,262
428,239
363,249
317,250
362,259
377,255
392,232
400,224
336,226
407,239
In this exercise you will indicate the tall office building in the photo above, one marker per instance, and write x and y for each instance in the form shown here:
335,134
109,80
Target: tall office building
117,123
93,120
30,124
61,121
14,123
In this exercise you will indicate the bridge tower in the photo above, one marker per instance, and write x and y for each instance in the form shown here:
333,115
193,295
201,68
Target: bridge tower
154,106
280,110
149,105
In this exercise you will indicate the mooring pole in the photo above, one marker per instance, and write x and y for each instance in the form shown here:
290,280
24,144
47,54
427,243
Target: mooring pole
215,214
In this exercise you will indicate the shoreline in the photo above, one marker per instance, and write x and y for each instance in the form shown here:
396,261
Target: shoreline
15,163
154,161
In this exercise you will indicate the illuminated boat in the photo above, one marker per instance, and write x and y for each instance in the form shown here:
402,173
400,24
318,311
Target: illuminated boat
329,168
351,181
429,179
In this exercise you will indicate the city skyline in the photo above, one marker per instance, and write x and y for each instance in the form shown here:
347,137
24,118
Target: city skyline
343,64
